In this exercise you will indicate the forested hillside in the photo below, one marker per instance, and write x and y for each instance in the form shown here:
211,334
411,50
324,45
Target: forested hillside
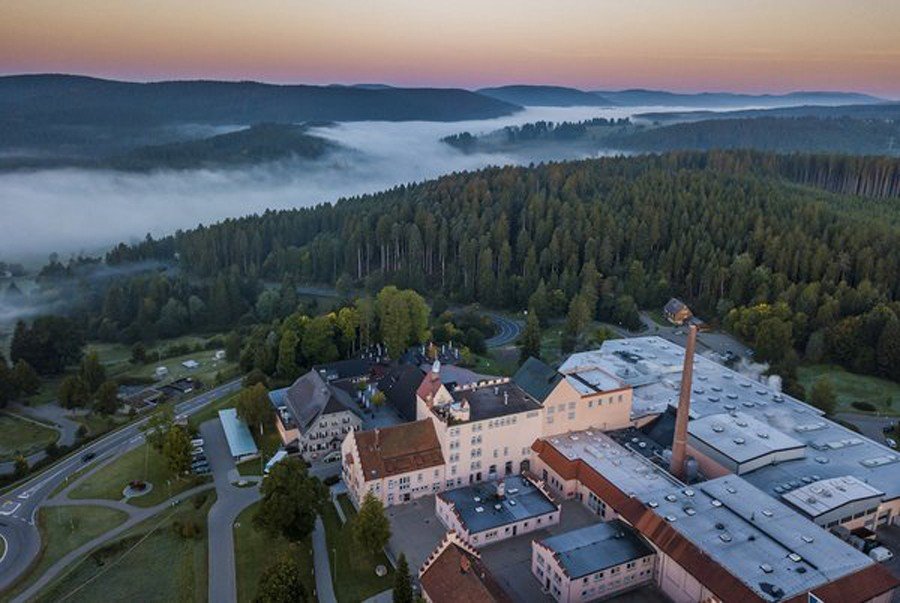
720,229
778,134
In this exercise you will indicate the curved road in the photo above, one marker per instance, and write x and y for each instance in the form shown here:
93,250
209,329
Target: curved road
508,330
19,506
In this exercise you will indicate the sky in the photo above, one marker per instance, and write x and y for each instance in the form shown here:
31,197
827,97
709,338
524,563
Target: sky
685,45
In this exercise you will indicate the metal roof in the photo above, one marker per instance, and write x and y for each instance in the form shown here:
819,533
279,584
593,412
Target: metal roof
479,508
829,494
746,531
652,366
740,437
597,547
240,441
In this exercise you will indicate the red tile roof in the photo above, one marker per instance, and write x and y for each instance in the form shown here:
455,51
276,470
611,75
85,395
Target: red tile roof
457,575
398,449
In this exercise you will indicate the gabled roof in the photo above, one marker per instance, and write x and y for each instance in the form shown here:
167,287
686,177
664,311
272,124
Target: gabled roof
310,396
454,573
399,386
537,379
344,369
674,306
398,449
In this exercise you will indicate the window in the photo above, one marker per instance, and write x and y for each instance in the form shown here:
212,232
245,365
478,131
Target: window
572,416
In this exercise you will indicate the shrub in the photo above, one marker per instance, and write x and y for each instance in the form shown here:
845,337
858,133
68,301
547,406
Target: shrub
864,406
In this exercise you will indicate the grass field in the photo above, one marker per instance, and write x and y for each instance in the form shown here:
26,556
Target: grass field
20,436
254,551
140,463
352,569
851,387
64,529
211,411
151,562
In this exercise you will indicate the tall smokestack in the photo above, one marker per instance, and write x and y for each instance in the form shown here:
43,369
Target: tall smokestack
679,443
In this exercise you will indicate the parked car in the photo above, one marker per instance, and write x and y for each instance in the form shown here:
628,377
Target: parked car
889,428
197,442
890,442
881,554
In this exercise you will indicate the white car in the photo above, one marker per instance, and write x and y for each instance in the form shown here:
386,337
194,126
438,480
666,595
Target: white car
890,442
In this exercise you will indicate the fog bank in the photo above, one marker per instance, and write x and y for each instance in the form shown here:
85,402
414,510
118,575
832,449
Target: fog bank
71,210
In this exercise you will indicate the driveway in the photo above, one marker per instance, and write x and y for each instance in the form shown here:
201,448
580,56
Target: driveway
230,501
415,531
510,560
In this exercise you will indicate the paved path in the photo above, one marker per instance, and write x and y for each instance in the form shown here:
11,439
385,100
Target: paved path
46,415
19,506
324,587
136,516
230,501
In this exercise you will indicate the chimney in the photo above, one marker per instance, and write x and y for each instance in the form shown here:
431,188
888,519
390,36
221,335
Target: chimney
679,443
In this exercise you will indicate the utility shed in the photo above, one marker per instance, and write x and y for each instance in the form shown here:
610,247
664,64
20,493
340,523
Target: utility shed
240,441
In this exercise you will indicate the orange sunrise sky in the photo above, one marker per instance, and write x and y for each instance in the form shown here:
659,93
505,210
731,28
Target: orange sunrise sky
735,45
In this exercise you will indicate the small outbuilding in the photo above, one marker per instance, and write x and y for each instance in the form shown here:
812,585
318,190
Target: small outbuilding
240,440
677,312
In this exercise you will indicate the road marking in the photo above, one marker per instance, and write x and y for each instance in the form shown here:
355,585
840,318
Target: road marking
9,507
5,547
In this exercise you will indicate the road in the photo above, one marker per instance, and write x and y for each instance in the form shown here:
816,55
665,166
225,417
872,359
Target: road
508,330
871,426
19,506
49,415
230,501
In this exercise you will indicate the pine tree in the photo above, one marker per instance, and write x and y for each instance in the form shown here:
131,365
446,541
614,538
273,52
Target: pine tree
371,527
403,592
530,340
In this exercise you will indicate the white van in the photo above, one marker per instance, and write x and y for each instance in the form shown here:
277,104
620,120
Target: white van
881,554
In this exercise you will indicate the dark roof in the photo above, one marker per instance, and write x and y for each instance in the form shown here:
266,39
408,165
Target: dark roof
344,369
458,576
484,403
398,449
399,386
310,396
674,306
596,547
537,379
521,500
662,429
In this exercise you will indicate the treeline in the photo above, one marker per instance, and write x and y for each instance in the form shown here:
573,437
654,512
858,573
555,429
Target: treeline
565,131
775,134
721,229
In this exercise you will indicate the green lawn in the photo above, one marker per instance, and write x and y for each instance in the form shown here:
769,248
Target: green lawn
496,363
250,467
117,360
64,529
852,387
140,463
211,411
352,570
96,424
21,436
152,562
254,551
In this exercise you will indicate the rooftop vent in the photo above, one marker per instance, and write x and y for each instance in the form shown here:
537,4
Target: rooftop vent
716,502
807,539
652,504
795,557
670,518
725,537
766,568
479,509
670,497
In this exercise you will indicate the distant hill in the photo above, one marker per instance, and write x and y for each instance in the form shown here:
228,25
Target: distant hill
638,97
257,144
777,134
46,111
545,96
888,110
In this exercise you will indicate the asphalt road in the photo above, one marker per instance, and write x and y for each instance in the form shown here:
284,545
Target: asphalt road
230,501
19,506
508,331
